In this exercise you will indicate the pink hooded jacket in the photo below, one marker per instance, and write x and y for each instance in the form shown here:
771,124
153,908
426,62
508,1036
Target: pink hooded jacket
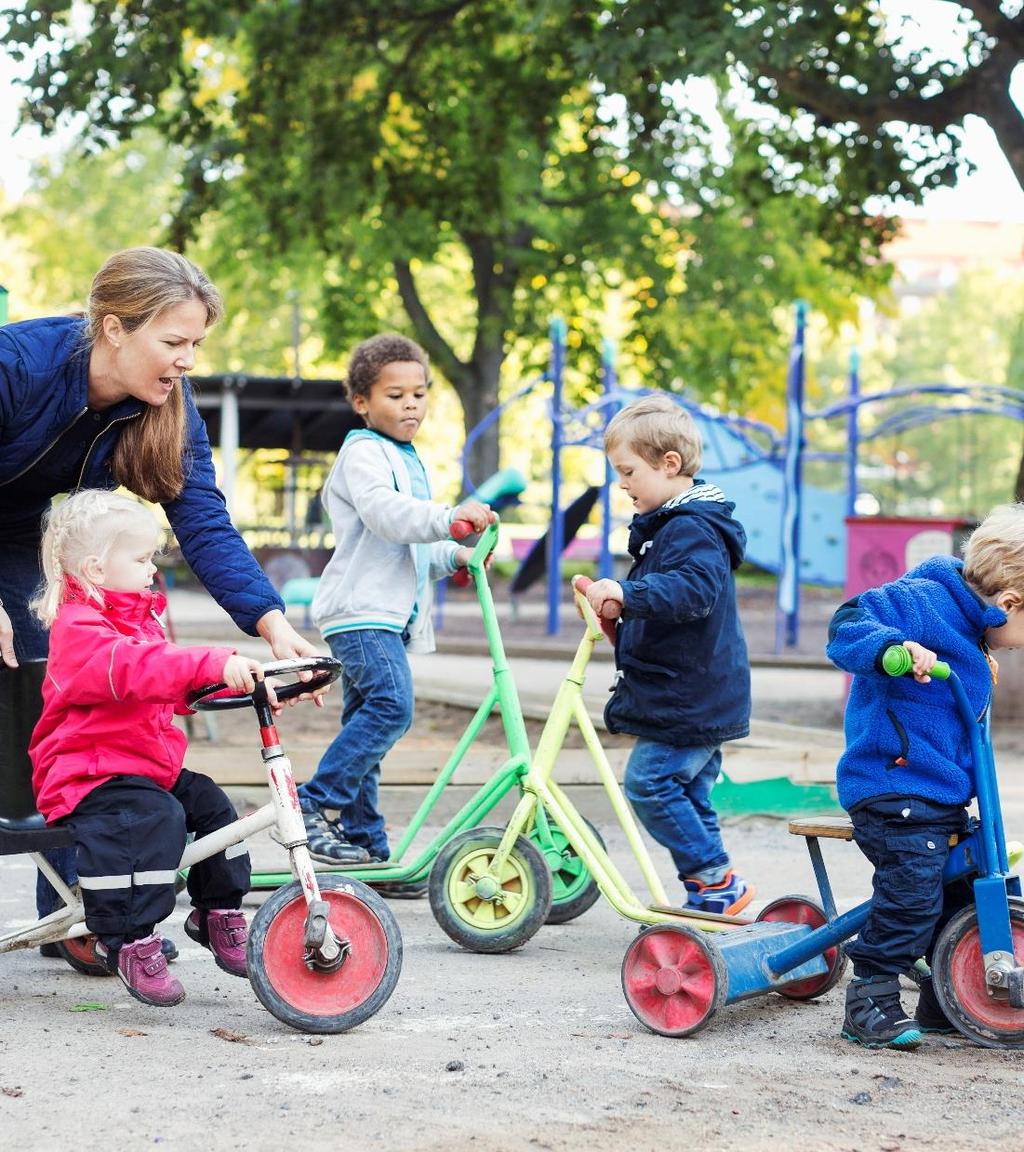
112,683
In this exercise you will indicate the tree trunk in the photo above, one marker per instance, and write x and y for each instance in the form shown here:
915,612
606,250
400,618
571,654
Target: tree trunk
478,391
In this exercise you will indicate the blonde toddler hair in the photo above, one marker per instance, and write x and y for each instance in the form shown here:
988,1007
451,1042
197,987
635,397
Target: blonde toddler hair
994,553
654,425
89,523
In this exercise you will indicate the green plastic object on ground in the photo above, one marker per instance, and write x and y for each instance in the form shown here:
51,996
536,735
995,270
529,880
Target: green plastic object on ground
897,661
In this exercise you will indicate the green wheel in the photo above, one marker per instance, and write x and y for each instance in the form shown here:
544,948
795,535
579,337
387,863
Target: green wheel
487,913
573,889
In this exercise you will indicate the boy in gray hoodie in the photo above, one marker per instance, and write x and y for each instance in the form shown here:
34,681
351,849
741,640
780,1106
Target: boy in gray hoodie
373,603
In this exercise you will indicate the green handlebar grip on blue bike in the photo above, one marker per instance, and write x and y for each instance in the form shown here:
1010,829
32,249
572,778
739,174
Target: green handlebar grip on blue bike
897,661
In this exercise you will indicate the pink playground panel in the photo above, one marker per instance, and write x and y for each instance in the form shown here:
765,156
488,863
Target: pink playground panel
585,548
880,548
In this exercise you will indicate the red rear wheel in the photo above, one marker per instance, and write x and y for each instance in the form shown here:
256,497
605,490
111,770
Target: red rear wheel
316,1001
801,910
674,979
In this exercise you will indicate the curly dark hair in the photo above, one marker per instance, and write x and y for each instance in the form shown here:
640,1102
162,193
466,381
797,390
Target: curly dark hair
376,353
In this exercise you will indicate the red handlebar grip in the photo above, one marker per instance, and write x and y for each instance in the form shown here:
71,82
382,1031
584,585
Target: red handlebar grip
460,529
580,584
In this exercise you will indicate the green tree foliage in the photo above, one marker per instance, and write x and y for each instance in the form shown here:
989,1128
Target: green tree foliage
476,165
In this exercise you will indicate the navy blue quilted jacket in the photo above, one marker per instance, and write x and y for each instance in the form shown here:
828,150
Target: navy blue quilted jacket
905,738
684,676
44,381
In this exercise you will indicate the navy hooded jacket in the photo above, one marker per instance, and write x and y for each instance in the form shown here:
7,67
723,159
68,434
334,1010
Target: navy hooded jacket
44,387
684,676
904,738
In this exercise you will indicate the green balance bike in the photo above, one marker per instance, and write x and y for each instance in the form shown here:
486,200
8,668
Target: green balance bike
479,892
542,872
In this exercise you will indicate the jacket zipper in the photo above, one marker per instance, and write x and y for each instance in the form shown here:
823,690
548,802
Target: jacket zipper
96,439
32,463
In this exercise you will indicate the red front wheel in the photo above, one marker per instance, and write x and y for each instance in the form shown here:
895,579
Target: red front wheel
318,1001
674,979
958,977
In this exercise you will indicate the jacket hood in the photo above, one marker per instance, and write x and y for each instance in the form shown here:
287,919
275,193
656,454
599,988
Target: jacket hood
131,606
949,573
717,512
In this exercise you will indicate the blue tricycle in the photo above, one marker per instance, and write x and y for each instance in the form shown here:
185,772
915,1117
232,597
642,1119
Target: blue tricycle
676,978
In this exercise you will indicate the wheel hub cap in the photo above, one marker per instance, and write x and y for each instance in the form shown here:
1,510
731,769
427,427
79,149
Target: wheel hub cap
668,981
487,888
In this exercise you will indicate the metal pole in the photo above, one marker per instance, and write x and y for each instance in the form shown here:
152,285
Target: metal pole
787,620
604,569
3,305
852,434
555,532
228,443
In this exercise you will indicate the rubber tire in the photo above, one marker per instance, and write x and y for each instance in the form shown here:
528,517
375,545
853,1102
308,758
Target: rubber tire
529,876
699,979
324,1002
806,911
570,898
958,977
79,953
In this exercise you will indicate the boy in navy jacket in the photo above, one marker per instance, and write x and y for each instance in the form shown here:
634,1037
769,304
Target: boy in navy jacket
683,679
905,776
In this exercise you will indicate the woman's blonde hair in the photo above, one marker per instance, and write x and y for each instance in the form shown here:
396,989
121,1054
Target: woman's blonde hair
136,285
654,425
994,552
89,523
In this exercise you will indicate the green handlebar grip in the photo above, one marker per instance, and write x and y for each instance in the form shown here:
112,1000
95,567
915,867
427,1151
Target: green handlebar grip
897,661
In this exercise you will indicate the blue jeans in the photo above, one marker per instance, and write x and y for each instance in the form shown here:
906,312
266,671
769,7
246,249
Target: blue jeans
377,710
670,790
907,841
20,575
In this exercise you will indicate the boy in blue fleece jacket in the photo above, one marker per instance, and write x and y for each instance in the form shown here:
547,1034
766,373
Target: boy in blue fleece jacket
683,679
905,776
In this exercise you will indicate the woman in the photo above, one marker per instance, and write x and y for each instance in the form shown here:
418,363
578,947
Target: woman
98,402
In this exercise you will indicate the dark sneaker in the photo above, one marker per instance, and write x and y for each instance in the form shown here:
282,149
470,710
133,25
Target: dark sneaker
875,1016
729,896
929,1015
327,841
224,932
400,889
142,968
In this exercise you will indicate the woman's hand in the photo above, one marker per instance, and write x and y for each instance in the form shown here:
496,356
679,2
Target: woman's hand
287,644
7,640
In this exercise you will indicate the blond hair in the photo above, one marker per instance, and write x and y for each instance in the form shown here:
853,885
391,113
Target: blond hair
654,425
994,552
136,285
87,524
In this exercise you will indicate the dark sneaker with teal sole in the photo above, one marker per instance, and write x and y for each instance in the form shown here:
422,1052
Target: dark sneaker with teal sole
875,1016
929,1016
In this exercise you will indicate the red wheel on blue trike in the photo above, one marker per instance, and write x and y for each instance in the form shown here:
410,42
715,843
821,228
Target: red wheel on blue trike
674,979
317,1001
958,975
801,910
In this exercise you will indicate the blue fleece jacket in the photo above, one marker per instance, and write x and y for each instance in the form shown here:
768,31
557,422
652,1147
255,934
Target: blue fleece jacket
44,387
684,676
905,738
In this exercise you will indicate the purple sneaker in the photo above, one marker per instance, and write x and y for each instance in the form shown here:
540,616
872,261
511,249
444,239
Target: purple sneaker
224,932
142,967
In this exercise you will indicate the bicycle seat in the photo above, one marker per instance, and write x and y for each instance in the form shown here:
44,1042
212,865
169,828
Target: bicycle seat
30,834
